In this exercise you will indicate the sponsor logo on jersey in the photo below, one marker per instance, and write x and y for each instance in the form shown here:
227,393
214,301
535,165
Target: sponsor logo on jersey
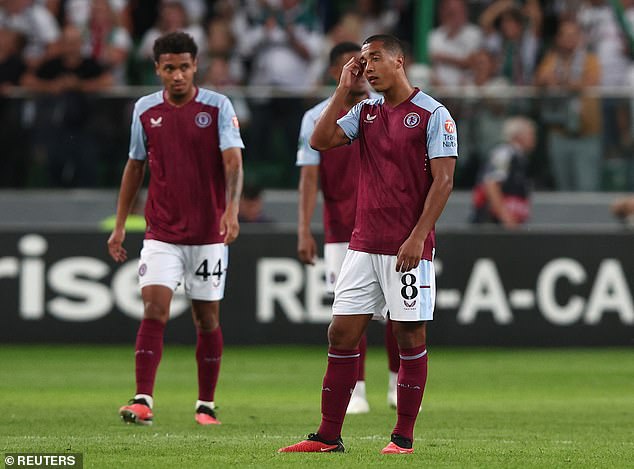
142,269
450,126
235,122
203,119
158,122
411,120
369,119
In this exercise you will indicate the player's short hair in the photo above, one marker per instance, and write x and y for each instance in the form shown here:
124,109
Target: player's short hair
341,49
175,43
390,43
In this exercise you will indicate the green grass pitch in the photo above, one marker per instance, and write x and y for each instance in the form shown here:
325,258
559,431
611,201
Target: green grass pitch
489,408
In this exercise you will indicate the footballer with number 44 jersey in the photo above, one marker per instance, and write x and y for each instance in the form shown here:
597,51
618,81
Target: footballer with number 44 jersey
189,138
408,149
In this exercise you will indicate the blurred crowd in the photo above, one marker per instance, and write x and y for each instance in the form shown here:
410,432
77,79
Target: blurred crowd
474,53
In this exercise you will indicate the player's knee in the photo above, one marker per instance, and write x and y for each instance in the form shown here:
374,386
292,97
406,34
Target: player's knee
409,335
156,311
341,337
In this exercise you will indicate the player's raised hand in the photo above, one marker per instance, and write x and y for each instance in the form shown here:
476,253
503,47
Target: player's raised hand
229,226
351,73
408,256
115,245
306,248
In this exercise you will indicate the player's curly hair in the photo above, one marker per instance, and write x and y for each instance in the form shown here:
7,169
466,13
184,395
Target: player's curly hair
175,43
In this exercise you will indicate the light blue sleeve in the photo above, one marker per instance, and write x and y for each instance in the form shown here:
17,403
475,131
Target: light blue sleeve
228,126
305,154
442,135
350,122
138,149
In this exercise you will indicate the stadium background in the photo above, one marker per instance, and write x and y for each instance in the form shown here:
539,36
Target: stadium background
563,279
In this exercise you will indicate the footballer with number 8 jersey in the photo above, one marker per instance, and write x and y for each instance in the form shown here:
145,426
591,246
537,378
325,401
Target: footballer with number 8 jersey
408,150
189,137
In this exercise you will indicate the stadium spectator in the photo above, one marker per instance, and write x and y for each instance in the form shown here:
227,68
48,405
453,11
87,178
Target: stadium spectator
573,120
192,212
12,134
375,17
452,44
251,205
69,79
336,171
281,47
106,41
36,23
408,149
12,66
172,17
513,35
609,33
503,192
221,44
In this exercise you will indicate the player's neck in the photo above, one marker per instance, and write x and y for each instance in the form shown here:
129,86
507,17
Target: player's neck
398,93
181,100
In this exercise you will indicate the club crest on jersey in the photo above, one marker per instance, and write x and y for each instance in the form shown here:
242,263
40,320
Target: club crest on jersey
158,122
142,270
203,119
411,120
450,126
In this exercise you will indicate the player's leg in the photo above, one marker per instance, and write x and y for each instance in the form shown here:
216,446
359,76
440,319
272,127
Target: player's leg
393,363
344,334
357,298
358,401
412,376
410,298
160,269
209,346
205,274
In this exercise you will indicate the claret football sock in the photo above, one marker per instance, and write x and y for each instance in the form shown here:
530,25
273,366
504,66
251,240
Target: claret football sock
148,352
208,355
412,376
363,346
339,381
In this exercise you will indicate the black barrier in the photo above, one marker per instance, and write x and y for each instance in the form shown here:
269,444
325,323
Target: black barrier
493,289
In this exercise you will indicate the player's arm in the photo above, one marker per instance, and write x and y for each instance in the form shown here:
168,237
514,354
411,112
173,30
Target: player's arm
232,161
131,182
442,170
328,134
308,187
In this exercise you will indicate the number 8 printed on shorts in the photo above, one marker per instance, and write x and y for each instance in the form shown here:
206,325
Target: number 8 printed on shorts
409,290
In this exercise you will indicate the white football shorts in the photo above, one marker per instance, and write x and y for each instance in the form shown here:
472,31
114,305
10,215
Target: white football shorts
369,282
334,254
202,269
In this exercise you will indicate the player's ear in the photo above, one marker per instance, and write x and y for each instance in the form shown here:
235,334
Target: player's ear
399,61
195,64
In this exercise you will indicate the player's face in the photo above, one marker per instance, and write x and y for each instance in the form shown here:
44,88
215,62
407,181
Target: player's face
360,87
176,72
380,66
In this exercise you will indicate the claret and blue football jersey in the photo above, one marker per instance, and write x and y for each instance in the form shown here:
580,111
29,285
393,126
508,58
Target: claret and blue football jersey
396,145
183,146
